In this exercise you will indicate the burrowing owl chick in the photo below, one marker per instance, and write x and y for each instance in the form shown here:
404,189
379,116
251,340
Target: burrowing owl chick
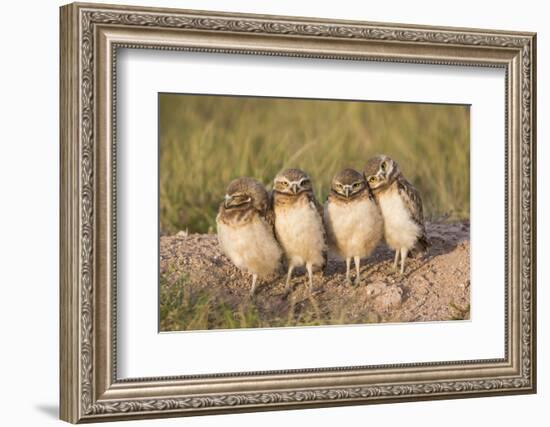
401,208
245,229
298,222
353,219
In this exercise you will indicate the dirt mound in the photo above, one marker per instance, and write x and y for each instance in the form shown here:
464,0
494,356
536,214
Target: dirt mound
201,288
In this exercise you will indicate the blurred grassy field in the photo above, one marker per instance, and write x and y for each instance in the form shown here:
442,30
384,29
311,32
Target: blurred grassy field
206,141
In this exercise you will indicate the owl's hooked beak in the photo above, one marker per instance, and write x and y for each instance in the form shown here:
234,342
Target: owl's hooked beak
227,200
294,188
347,190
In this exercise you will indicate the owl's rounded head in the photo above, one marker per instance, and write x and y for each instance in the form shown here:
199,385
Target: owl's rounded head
245,192
380,172
292,181
348,183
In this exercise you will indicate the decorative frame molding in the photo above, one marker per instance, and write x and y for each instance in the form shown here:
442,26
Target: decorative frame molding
90,36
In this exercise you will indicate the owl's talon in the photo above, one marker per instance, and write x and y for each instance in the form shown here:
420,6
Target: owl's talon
396,260
253,287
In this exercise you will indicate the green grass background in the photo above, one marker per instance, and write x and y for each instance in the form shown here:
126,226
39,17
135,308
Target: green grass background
206,141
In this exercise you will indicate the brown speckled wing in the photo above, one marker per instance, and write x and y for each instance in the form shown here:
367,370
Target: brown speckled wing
319,209
317,205
413,203
269,213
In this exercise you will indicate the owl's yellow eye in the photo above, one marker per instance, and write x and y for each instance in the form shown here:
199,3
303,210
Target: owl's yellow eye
357,185
372,179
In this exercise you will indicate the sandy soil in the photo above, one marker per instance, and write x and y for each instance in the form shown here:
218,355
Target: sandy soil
434,287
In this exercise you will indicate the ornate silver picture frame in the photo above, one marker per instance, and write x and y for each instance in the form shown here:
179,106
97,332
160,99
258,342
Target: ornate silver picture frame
91,34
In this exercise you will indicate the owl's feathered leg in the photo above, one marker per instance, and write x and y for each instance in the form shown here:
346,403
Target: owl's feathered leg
289,276
309,268
348,266
396,259
357,268
254,280
404,252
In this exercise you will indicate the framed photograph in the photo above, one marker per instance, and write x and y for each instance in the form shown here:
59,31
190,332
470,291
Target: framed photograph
266,213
